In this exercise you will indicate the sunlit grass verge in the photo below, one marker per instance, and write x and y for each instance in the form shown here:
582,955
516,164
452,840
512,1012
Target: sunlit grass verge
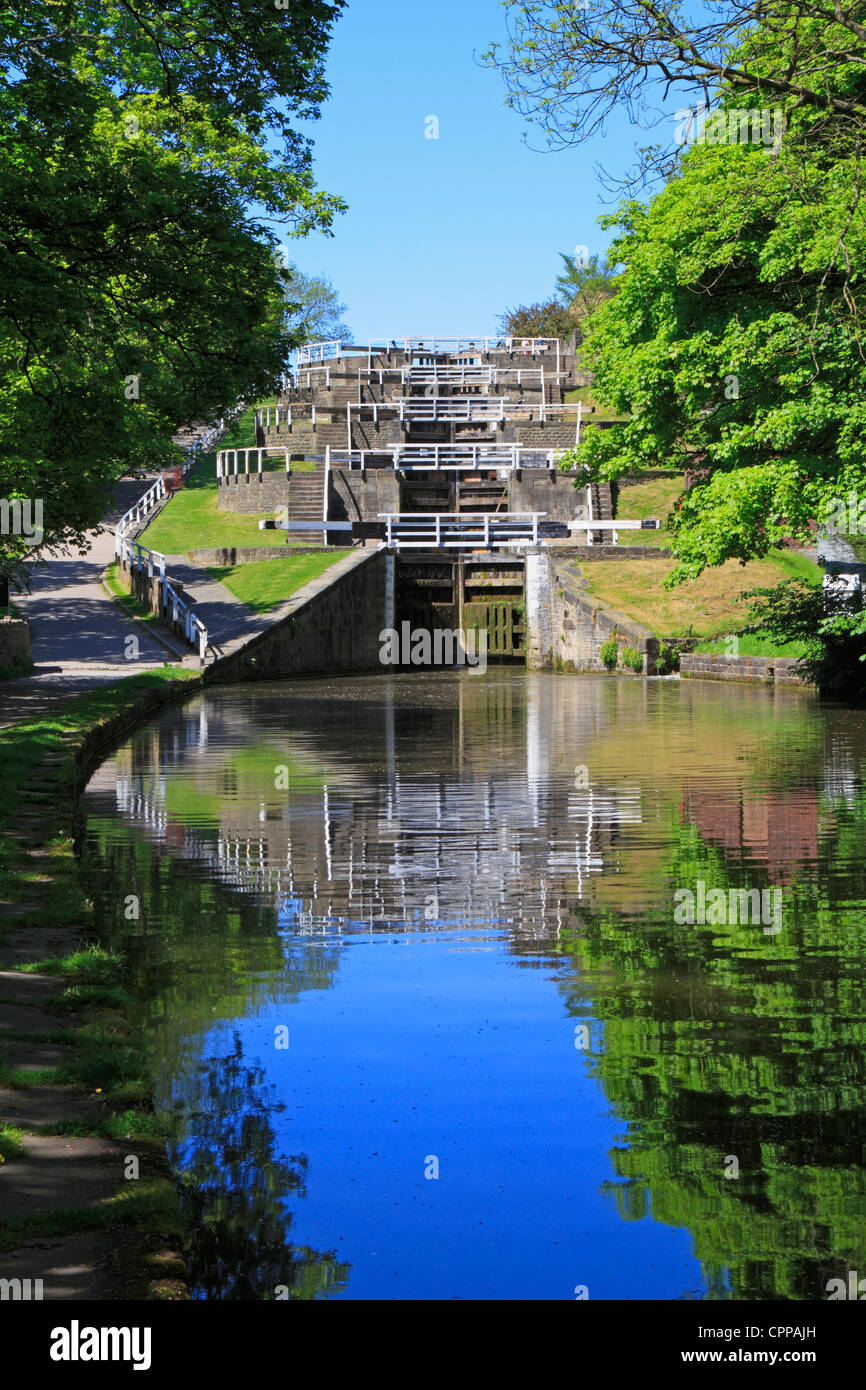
10,1141
708,608
752,644
149,1203
264,584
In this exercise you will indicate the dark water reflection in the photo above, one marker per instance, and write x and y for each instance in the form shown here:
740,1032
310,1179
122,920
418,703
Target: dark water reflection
399,924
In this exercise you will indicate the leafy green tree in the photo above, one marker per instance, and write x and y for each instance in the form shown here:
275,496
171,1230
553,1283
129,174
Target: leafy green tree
568,65
830,625
139,288
584,287
314,310
550,319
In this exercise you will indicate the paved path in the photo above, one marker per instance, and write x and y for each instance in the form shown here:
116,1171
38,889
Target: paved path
80,636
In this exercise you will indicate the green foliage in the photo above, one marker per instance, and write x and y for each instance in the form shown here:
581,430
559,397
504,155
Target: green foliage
139,290
631,658
609,652
549,319
735,344
830,627
584,288
314,310
668,660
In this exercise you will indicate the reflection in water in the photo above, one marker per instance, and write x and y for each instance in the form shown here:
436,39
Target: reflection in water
431,885
234,1190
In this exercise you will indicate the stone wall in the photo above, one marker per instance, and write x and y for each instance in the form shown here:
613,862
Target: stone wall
259,494
565,549
14,644
357,497
561,435
752,669
537,490
567,627
245,555
334,626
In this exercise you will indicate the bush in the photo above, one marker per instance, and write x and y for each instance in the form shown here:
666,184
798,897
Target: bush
609,652
667,661
632,659
831,626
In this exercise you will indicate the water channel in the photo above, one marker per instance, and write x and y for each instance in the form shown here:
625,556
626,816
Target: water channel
425,1016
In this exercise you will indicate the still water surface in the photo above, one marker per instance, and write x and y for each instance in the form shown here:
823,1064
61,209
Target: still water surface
420,1009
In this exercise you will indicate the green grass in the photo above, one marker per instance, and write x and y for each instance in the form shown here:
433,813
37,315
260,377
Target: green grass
192,521
150,1203
653,499
10,1141
264,584
601,412
752,644
709,607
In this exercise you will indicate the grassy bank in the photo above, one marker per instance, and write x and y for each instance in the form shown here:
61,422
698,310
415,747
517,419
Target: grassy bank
653,499
709,608
98,1087
264,584
191,520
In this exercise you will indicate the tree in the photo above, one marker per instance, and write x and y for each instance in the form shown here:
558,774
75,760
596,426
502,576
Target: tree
584,287
314,310
569,65
830,625
736,342
550,319
139,290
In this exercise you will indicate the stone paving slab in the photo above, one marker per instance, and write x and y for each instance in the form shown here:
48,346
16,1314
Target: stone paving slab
58,1171
72,1268
37,1107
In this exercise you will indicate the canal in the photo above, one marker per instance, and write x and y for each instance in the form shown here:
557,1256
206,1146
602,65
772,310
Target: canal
427,1014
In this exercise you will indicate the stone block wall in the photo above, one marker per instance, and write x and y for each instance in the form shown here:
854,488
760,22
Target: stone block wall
751,669
355,497
568,627
14,644
335,626
537,490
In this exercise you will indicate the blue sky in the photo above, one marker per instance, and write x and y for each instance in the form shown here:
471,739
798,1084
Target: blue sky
442,235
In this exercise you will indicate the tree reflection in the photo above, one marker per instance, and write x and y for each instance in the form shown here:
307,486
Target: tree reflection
235,1190
721,1043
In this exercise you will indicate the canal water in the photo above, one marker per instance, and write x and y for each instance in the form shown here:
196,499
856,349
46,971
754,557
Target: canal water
447,995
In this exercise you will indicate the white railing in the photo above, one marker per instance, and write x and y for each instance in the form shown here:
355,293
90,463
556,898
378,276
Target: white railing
466,408
588,525
319,352
452,457
313,353
137,557
273,416
228,461
460,530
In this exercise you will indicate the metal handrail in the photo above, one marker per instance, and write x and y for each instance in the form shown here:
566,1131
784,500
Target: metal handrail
140,557
459,530
451,457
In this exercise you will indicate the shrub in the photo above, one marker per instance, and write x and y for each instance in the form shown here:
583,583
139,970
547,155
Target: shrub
667,661
631,658
609,652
